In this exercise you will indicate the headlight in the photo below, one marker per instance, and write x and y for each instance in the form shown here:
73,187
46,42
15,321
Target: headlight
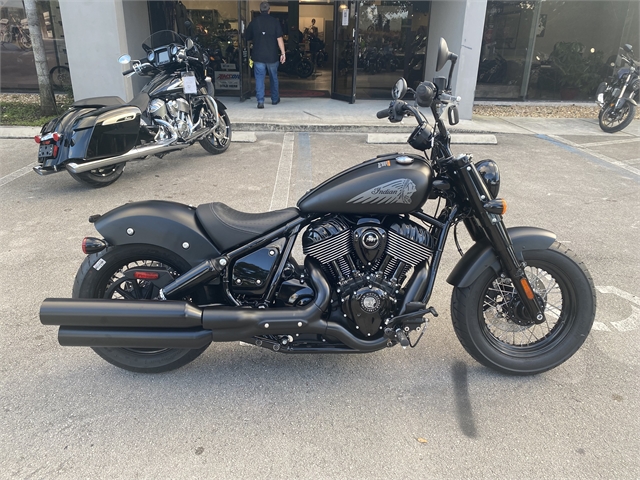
488,170
174,49
151,56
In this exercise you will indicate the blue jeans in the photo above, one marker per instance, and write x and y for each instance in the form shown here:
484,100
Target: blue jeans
260,71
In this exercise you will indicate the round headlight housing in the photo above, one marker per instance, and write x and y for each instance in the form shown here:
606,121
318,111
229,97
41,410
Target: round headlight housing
151,56
490,173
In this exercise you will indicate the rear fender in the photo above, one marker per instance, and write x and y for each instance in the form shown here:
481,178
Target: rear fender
481,256
169,225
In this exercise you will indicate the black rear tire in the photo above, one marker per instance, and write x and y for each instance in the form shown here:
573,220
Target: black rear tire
219,142
101,177
620,121
304,69
486,321
105,280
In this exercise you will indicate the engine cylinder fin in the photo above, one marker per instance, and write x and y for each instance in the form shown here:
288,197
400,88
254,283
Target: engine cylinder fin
330,249
405,250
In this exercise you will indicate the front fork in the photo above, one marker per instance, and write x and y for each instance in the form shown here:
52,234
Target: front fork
493,227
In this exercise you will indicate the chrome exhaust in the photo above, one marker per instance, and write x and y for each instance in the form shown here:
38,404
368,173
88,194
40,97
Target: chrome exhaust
166,145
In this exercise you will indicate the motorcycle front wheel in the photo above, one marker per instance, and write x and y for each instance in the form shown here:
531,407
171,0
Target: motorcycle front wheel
492,326
107,280
100,177
611,121
304,69
219,140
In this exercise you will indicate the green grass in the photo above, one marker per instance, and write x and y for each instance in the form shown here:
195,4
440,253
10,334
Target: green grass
26,114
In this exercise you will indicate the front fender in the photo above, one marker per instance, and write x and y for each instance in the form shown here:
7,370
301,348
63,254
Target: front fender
169,225
481,256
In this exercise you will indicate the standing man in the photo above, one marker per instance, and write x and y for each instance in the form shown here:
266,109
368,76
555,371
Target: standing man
266,34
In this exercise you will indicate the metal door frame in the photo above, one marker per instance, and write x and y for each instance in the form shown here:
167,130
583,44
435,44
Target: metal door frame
246,89
337,24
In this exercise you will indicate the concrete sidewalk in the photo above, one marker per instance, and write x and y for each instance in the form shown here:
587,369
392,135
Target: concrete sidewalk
327,115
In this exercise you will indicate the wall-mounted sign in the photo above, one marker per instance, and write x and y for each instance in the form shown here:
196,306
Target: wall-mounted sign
345,17
227,80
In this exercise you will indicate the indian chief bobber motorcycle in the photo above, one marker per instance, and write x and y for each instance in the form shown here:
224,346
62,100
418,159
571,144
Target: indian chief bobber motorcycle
96,137
166,279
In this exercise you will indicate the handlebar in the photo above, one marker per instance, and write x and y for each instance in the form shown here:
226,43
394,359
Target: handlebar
383,113
128,72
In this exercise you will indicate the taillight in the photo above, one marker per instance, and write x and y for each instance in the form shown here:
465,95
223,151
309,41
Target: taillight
92,245
37,138
146,275
55,136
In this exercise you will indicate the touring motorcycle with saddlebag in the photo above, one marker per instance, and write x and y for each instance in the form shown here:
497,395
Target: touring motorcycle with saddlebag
96,137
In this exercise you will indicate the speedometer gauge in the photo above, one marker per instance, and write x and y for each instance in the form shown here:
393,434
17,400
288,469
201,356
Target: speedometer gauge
174,50
151,56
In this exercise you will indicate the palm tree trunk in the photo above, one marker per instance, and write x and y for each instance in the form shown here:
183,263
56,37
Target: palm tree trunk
47,99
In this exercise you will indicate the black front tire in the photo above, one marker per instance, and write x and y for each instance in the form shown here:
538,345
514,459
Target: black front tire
620,121
486,321
101,177
218,142
304,69
105,280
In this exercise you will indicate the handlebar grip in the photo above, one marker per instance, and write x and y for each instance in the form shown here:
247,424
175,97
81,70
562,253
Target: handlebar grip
383,113
127,72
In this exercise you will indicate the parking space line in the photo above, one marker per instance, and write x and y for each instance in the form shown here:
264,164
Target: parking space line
17,174
610,142
280,197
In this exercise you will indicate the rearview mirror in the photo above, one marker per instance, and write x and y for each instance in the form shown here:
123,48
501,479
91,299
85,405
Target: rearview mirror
628,48
124,59
443,54
399,90
189,44
454,117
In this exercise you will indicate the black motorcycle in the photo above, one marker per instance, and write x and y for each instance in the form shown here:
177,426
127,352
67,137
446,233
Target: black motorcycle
168,279
296,64
96,137
618,99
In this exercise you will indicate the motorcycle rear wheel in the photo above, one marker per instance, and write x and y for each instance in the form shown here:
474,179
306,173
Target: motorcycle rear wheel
489,323
219,144
618,122
100,177
107,281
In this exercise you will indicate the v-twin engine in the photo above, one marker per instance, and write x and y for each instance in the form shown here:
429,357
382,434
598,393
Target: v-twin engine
176,112
368,261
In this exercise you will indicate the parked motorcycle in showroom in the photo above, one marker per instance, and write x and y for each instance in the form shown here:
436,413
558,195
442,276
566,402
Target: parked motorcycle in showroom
167,279
96,137
618,99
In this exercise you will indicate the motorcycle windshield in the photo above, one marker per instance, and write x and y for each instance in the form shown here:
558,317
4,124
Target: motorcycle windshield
162,38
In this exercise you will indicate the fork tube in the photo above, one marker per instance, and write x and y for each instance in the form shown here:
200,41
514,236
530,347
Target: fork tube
497,234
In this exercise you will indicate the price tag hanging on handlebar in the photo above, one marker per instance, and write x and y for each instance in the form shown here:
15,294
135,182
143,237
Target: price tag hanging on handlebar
189,83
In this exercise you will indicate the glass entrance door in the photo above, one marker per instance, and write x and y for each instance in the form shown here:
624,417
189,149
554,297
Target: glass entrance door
345,51
243,51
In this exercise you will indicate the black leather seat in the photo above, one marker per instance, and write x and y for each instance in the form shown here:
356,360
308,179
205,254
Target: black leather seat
229,228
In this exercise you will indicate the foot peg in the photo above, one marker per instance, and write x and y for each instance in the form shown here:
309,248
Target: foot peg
402,338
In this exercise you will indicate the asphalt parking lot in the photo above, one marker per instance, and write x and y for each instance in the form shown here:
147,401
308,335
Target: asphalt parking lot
238,412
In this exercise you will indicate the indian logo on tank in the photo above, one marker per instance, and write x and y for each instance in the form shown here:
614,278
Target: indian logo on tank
396,191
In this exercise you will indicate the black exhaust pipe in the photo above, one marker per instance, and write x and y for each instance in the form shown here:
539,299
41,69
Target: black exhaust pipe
133,338
178,324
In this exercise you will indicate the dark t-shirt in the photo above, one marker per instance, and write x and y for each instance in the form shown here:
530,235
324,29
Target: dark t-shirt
264,31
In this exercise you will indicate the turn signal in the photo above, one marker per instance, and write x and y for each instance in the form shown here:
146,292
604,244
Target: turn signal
497,206
527,288
92,245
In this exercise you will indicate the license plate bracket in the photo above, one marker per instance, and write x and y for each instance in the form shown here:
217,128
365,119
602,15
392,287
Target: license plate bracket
45,151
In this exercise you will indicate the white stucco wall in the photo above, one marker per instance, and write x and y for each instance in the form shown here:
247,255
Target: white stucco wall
460,23
96,34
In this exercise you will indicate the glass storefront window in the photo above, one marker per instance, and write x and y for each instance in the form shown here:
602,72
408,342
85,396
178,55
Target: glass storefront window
17,66
575,42
507,30
392,42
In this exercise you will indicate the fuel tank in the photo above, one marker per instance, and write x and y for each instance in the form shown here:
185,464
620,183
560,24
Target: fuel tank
163,84
388,184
